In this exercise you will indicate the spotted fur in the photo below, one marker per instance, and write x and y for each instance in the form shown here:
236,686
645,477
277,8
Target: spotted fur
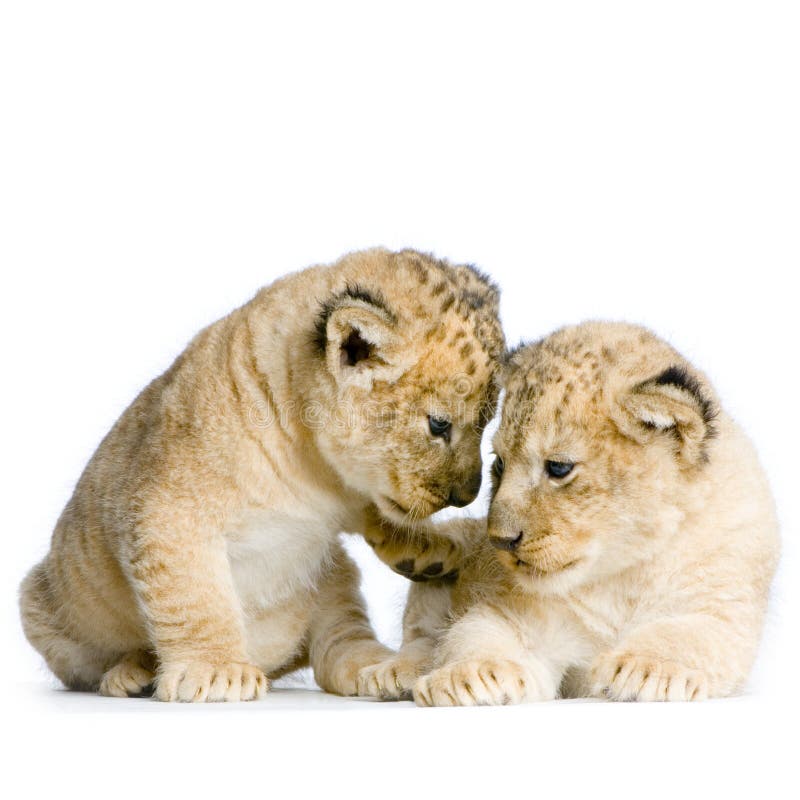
199,552
643,573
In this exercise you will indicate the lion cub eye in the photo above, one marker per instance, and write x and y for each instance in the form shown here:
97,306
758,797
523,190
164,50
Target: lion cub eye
558,469
498,467
440,427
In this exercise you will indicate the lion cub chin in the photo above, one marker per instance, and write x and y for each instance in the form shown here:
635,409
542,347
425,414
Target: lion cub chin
629,547
200,553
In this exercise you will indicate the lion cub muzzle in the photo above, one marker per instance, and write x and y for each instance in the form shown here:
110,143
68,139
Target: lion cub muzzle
465,493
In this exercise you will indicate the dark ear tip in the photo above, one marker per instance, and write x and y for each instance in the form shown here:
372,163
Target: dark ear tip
676,376
319,336
679,376
355,291
352,292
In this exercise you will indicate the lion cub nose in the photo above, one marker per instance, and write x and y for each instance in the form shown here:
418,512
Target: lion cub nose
504,543
459,502
463,495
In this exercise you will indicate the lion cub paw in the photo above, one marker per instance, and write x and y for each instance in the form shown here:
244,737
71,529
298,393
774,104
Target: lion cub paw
628,677
130,678
200,681
340,675
434,559
475,683
392,679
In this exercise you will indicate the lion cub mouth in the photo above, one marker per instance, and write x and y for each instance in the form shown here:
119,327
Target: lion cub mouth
428,505
536,571
393,504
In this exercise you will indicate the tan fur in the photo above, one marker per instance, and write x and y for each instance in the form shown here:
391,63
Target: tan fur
200,546
644,574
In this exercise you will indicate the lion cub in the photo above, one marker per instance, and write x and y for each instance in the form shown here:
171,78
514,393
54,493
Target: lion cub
631,540
200,548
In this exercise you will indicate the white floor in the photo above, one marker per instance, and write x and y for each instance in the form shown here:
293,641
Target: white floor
300,739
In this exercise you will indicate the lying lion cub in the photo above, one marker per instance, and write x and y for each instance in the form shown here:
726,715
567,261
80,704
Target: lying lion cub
631,540
200,547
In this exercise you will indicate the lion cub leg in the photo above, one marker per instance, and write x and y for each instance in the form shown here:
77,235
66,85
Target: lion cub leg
341,640
185,589
683,658
425,617
77,665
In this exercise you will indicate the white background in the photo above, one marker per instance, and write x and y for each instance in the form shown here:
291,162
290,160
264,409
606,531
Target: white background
160,161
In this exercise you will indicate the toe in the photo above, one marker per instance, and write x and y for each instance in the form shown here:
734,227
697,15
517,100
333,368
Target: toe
233,693
167,686
422,692
193,688
218,687
110,687
649,689
637,675
248,684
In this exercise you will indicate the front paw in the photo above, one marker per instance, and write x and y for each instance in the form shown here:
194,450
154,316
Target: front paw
340,672
475,683
430,559
201,681
131,677
392,679
630,677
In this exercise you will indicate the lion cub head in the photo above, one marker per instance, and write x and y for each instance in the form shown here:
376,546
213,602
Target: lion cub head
409,347
602,423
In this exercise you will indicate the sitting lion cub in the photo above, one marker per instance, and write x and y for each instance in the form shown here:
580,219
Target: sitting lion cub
200,548
631,540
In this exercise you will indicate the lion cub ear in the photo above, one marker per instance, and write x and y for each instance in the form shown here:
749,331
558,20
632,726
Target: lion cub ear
671,403
356,333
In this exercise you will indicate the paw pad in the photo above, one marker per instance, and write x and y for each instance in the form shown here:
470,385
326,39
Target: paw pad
406,567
